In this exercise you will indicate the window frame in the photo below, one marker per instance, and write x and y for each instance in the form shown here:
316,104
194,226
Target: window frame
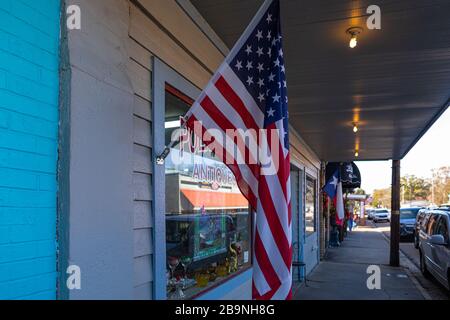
300,179
165,79
316,207
442,222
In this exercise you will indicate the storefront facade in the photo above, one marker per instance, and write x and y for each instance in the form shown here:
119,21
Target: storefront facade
129,223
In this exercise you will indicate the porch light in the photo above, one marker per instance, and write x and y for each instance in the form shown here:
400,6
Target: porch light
354,32
353,42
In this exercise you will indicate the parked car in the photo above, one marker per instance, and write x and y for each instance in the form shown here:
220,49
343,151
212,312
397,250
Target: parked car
434,246
369,213
381,215
418,225
407,222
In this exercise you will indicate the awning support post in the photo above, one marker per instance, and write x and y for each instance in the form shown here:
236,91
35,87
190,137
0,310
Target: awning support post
395,215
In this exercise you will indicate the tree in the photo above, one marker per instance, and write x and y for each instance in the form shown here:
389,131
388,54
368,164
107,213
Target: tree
414,188
381,198
440,185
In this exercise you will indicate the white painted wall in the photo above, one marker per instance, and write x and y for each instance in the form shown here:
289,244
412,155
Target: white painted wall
100,176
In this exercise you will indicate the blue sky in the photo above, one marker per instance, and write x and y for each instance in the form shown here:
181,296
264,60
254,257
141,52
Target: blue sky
432,151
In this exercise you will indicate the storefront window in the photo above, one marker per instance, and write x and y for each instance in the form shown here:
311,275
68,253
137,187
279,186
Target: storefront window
310,205
207,218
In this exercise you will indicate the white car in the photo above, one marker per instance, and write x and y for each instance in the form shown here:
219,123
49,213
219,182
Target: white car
381,215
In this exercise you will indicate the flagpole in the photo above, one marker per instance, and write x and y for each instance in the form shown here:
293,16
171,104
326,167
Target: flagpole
242,39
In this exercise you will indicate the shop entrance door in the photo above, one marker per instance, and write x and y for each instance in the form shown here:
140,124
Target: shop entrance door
311,247
297,216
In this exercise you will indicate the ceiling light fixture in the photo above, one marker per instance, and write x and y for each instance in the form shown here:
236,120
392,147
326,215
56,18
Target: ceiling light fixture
354,32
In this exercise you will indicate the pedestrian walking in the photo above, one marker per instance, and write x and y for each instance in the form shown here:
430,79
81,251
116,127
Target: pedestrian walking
350,222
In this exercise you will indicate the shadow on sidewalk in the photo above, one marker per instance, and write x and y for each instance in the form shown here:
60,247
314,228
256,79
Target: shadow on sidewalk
343,274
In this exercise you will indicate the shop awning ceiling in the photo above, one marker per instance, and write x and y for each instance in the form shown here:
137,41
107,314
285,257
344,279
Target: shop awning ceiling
395,83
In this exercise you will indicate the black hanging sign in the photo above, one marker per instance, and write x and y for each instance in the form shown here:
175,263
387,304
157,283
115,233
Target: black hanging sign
350,175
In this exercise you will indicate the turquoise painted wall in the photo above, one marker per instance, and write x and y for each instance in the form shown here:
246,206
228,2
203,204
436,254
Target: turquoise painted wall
29,86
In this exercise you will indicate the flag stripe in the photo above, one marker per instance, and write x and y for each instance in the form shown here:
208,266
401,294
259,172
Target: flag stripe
224,123
273,250
209,123
283,171
283,181
240,121
259,282
274,193
283,292
273,220
265,266
248,102
236,102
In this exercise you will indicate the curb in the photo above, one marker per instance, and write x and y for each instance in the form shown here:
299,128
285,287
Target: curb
410,265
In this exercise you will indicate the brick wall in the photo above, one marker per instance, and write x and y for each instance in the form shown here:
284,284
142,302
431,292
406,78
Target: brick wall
29,86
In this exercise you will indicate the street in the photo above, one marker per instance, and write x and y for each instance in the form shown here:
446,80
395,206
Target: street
343,273
412,259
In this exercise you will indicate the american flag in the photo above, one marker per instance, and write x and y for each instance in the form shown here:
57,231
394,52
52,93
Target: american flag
249,91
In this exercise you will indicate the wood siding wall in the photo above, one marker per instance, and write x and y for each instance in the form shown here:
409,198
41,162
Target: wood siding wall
139,69
161,29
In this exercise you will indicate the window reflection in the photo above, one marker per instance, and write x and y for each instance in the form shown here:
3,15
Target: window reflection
310,205
207,218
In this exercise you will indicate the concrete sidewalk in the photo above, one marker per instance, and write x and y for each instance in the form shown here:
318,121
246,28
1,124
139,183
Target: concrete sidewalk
342,275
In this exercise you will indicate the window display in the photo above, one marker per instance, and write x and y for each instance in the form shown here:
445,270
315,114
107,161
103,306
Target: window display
207,218
310,205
